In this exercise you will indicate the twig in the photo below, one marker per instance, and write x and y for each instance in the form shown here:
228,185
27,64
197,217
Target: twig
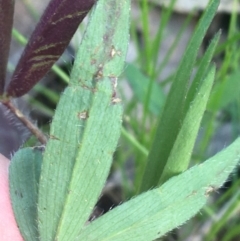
33,129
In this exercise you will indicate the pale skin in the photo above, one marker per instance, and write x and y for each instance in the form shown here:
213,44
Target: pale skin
8,227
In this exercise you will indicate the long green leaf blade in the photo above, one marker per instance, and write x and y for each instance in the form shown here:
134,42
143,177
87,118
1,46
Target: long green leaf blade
59,158
173,113
154,213
185,140
24,173
78,154
93,161
201,72
103,124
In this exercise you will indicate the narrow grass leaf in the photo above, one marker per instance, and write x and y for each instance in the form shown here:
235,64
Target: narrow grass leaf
183,146
175,43
201,72
154,213
173,113
230,41
6,21
49,94
24,173
140,83
163,21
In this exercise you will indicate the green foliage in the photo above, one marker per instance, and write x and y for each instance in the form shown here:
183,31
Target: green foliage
157,97
24,173
155,212
187,135
173,113
87,125
225,92
88,137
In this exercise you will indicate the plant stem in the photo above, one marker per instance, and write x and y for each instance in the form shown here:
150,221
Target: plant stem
32,128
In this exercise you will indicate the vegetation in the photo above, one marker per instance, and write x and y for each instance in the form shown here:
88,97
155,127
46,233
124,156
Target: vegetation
55,187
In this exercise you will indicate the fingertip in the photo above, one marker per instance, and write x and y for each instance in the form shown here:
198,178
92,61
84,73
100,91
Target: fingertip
8,226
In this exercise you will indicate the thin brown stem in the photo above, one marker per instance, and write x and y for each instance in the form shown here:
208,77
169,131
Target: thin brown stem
33,129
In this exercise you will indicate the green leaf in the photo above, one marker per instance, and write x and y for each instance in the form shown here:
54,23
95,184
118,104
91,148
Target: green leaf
103,49
202,69
185,140
154,213
93,161
173,114
59,157
86,126
225,92
139,84
24,173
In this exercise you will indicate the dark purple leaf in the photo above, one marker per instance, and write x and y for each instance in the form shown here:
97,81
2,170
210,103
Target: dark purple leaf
6,21
50,38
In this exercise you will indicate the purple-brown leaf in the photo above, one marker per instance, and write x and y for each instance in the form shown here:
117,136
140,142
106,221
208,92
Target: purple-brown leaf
6,21
48,41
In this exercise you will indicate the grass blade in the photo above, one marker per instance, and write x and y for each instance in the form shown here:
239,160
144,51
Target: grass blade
173,113
201,72
185,140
